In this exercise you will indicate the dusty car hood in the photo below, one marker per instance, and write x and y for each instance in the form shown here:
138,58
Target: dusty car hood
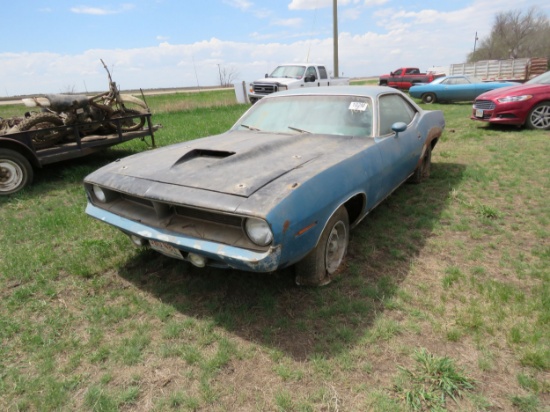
236,163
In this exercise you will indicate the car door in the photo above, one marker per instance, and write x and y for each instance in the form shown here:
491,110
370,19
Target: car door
399,152
311,71
458,89
323,76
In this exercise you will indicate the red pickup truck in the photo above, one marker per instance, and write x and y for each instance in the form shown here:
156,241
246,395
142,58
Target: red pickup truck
405,77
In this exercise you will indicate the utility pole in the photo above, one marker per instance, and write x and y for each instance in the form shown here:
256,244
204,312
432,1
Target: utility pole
335,36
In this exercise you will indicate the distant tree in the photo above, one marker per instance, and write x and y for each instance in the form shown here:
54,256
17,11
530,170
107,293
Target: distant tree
516,34
228,75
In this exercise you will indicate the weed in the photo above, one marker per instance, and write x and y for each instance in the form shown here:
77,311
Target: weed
432,381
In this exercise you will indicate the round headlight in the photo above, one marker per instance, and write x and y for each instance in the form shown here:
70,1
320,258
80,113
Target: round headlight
99,194
258,231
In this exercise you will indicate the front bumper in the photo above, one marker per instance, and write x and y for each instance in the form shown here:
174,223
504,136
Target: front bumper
217,254
489,111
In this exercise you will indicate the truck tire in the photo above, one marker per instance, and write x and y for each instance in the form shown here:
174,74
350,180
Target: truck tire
15,172
429,98
38,121
322,262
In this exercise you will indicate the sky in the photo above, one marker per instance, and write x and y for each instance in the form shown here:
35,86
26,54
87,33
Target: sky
55,46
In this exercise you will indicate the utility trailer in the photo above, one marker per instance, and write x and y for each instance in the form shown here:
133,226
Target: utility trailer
517,70
19,157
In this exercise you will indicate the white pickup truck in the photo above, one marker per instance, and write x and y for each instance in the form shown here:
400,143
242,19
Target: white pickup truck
292,76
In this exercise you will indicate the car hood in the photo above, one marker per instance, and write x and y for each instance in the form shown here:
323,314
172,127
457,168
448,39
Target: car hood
513,91
277,80
236,163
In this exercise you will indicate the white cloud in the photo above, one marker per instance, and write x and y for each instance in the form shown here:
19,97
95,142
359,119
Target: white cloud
97,11
319,4
239,4
296,22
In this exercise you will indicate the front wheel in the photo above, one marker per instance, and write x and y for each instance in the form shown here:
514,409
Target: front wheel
130,124
322,262
428,98
15,172
539,117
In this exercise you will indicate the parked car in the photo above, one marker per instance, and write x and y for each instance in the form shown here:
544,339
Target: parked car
283,186
456,88
527,104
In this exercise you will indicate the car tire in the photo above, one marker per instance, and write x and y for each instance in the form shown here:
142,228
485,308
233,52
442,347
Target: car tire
422,172
15,172
429,98
317,268
539,117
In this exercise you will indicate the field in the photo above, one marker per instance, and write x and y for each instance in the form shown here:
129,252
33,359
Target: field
443,303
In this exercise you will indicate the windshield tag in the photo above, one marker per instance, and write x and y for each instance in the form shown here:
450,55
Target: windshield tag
358,106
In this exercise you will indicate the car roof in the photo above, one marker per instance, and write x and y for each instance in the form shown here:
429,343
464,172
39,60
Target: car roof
366,91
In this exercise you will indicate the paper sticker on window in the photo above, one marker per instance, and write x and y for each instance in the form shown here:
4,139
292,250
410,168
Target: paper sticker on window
358,106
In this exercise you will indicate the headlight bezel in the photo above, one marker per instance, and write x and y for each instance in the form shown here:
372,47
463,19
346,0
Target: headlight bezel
258,231
513,99
99,194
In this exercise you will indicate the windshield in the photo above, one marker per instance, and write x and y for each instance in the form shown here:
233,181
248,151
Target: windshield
322,114
289,71
542,79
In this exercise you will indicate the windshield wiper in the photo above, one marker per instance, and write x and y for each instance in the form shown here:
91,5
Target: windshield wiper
250,127
298,130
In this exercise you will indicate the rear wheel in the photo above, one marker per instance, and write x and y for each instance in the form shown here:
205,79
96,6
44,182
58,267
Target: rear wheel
15,172
539,117
43,138
429,98
322,262
422,172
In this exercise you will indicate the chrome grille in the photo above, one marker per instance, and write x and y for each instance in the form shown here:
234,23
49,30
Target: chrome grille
209,216
198,223
265,88
484,105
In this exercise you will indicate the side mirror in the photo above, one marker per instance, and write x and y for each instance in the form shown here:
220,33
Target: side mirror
310,78
392,73
399,127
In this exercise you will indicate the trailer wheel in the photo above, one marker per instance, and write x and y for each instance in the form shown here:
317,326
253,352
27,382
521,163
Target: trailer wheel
15,172
39,121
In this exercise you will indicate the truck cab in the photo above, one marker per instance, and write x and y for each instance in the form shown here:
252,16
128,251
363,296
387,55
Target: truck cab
292,76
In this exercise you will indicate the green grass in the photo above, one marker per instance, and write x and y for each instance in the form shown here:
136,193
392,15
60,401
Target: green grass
443,302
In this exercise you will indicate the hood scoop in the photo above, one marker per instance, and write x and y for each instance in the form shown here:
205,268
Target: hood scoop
204,154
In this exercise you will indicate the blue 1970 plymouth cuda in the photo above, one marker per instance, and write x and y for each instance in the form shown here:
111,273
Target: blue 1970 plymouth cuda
283,186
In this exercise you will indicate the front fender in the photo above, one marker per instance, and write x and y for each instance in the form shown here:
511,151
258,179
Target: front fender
128,98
